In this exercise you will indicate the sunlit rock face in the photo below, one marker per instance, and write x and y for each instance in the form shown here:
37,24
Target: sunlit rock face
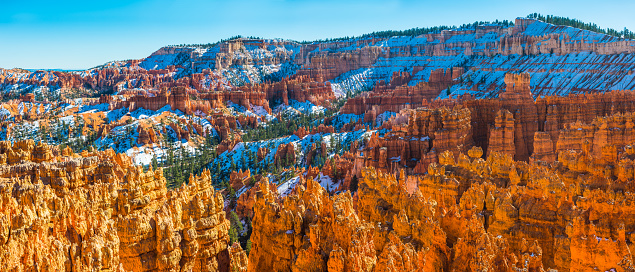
62,211
486,148
566,207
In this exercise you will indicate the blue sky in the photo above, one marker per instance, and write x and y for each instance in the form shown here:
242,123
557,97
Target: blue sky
82,34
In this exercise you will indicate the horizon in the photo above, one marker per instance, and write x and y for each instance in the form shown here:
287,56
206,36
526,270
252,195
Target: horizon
73,35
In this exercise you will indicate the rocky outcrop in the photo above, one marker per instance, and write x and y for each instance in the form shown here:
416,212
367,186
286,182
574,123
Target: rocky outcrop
327,66
146,136
177,99
239,179
501,135
302,131
543,148
532,202
285,155
312,224
390,230
95,211
416,137
553,191
300,88
395,98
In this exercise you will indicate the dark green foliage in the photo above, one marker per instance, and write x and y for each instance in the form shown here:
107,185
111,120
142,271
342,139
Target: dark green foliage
235,228
354,184
245,242
565,21
63,134
416,31
233,235
210,45
235,221
178,163
248,247
413,31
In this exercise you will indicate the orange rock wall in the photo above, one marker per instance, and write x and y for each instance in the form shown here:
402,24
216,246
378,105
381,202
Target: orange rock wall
95,211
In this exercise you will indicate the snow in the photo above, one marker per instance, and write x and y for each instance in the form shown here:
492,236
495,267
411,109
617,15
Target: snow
551,74
115,115
257,111
385,116
327,183
242,190
340,120
548,70
287,187
142,113
4,112
396,159
540,29
139,158
160,60
306,107
239,154
295,108
352,81
69,119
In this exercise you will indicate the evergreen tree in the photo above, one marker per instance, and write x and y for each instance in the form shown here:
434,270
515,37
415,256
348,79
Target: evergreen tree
248,247
354,184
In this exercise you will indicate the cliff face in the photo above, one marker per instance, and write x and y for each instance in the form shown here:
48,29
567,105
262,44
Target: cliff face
399,95
501,135
95,211
300,88
515,115
313,224
416,138
324,64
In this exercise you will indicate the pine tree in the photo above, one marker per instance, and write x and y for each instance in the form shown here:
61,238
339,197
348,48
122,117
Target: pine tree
235,221
248,247
233,235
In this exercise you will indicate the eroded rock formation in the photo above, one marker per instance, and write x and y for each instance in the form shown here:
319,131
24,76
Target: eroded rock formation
417,137
96,211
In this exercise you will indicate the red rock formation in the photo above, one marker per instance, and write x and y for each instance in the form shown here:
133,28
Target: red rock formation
146,136
328,66
285,155
178,99
239,179
427,132
549,114
543,148
300,132
227,144
321,129
501,135
262,153
336,168
396,98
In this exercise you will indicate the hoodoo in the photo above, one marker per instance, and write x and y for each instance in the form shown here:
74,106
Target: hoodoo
494,146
